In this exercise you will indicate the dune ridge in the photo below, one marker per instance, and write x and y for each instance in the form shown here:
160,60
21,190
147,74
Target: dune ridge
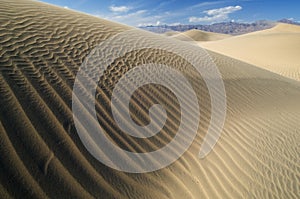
199,35
41,156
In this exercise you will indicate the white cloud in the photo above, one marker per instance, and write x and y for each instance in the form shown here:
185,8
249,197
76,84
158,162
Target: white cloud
130,15
66,7
174,24
149,24
215,15
207,3
142,17
136,18
223,11
119,8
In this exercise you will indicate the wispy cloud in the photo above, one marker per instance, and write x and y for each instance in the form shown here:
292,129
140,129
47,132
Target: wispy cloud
135,18
223,11
119,8
215,15
207,3
137,15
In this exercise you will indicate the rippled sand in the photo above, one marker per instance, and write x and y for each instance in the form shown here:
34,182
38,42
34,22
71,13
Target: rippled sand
41,155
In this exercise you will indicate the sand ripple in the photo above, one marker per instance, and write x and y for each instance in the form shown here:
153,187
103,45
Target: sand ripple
41,155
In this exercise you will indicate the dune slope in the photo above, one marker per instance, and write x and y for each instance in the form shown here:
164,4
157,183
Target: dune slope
199,35
276,49
41,155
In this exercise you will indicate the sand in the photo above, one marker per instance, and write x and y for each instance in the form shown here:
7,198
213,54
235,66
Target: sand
276,49
41,155
198,35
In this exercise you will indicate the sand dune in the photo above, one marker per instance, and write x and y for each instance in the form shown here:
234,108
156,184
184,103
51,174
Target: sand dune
199,35
276,49
41,155
171,33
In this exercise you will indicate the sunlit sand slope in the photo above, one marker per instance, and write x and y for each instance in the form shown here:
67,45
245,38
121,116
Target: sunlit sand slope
276,49
199,35
41,155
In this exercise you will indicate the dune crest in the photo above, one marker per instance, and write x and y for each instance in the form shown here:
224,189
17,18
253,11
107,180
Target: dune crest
198,35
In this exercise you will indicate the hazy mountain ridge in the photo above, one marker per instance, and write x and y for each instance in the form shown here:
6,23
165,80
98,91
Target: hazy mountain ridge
288,21
233,28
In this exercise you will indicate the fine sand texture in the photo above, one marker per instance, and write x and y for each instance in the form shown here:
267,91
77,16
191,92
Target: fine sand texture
42,156
276,49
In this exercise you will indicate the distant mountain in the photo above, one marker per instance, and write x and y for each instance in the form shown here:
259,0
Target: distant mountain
232,28
289,21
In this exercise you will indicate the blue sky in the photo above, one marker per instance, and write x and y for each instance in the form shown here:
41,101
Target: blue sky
171,12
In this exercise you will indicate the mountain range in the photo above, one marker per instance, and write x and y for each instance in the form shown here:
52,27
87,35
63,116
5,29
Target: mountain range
233,28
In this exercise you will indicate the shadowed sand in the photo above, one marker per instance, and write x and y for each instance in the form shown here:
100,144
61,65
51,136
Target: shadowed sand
41,155
276,49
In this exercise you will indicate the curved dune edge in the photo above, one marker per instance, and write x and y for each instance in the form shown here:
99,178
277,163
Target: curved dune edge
198,35
276,49
42,47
